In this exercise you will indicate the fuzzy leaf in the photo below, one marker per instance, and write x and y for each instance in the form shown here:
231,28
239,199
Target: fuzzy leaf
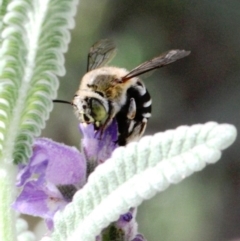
35,35
3,8
22,231
137,172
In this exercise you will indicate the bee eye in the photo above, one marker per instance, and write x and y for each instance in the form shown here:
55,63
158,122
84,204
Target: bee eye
98,111
100,93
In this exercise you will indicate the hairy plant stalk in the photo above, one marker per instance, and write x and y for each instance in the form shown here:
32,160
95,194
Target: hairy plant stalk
7,196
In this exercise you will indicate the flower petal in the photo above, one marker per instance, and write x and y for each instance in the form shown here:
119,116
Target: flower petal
96,147
39,199
127,223
67,165
139,237
50,179
61,164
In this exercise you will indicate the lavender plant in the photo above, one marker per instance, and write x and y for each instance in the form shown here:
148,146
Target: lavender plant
85,195
34,36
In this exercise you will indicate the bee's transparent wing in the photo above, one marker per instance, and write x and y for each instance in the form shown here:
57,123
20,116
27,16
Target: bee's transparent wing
160,61
100,54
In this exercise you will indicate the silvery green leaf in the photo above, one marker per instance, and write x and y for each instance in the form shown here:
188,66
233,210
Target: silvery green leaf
137,172
34,34
34,37
22,231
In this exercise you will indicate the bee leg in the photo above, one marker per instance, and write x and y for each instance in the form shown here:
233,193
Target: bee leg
97,129
132,109
98,135
137,131
143,126
104,126
128,123
111,115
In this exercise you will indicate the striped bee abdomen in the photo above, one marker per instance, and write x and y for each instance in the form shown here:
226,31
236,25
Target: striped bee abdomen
132,128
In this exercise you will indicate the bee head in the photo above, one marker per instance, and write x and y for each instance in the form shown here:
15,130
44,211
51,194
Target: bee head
90,107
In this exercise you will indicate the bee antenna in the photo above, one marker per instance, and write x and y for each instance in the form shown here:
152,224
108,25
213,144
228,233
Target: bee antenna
62,101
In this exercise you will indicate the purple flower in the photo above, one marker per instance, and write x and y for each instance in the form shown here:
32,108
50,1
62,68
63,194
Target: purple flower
127,224
53,161
124,229
98,147
139,237
56,171
52,166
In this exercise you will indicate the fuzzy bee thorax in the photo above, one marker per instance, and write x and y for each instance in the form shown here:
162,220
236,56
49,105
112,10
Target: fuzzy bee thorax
106,81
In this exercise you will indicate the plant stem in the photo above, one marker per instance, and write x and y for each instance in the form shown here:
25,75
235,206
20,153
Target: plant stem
7,196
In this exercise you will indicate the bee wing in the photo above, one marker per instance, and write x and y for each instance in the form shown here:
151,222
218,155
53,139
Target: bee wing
158,62
100,54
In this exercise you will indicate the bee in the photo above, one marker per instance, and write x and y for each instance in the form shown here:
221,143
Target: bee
108,92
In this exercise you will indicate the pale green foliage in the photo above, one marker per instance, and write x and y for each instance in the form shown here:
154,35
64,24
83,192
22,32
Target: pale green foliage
34,37
22,231
34,34
137,172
